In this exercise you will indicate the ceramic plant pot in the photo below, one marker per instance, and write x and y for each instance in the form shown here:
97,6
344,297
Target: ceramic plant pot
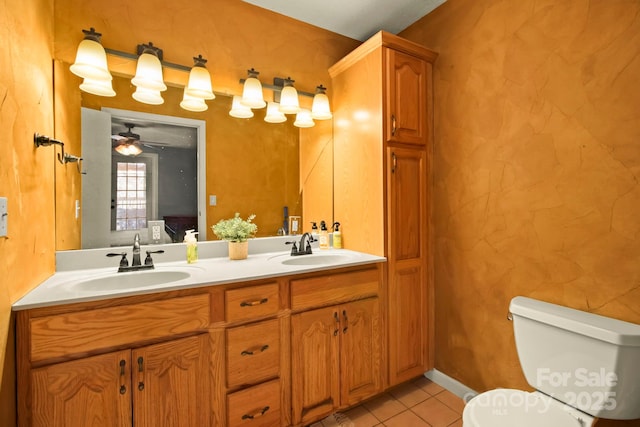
239,250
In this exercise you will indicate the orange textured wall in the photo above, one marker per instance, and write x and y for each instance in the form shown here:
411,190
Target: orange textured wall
26,173
536,163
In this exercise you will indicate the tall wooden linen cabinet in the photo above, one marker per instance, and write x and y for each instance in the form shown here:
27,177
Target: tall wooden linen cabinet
383,138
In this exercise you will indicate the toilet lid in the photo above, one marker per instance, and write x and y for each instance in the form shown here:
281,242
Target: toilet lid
508,408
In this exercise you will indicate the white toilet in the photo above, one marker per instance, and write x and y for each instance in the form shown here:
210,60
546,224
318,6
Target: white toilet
582,365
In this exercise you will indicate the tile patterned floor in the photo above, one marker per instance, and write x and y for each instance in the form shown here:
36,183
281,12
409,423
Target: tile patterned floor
418,403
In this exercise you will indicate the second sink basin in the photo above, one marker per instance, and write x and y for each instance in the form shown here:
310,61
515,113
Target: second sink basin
131,280
319,259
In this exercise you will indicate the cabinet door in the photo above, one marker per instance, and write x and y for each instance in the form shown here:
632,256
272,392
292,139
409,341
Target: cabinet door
170,383
94,391
360,351
407,262
315,363
406,98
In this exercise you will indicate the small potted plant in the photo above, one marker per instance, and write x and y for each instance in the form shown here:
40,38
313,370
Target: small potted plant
237,232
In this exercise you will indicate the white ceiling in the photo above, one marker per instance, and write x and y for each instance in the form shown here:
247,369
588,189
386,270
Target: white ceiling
358,19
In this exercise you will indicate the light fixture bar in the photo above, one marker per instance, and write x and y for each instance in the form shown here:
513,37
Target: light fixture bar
134,56
278,85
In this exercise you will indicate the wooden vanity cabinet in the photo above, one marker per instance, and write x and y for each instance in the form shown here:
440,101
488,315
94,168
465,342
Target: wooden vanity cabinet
388,80
115,363
336,357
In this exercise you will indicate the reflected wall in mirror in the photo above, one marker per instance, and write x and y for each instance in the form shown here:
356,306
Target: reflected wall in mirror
251,166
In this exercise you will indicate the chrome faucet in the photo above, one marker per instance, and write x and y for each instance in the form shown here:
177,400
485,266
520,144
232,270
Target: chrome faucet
136,251
301,249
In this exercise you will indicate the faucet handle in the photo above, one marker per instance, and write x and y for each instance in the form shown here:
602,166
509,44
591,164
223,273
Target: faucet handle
123,261
294,248
148,260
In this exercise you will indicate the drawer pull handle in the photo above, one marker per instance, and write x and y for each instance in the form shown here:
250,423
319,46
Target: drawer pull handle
337,319
393,125
251,353
141,369
254,303
257,414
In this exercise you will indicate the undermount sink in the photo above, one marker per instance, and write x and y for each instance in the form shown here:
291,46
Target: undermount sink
319,259
131,280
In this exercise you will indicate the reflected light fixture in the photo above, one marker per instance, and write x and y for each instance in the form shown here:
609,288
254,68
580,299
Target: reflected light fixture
238,110
149,69
192,103
199,85
289,103
252,91
97,87
303,119
148,96
320,109
91,59
128,148
273,114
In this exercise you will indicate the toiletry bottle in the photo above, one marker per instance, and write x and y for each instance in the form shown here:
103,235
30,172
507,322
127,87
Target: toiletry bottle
324,236
337,236
192,246
314,230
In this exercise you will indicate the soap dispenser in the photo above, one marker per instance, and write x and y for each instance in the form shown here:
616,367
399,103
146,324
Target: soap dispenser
337,236
314,230
324,236
192,246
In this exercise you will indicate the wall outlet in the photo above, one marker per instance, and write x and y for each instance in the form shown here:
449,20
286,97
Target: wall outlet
213,200
155,231
4,217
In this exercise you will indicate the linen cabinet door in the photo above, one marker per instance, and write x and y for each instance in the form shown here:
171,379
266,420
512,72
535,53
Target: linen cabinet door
170,383
406,98
407,254
94,391
315,337
360,350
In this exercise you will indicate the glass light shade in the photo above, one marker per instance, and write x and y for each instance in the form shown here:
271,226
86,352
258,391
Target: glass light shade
149,73
128,149
303,119
238,110
91,61
320,108
192,103
273,114
252,93
97,87
199,85
148,96
289,103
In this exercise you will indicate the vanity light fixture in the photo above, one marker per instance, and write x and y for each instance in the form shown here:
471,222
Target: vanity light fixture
303,119
199,85
289,103
91,59
252,91
149,69
148,96
320,109
238,110
273,114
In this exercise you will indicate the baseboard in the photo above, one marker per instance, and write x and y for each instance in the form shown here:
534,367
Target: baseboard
453,385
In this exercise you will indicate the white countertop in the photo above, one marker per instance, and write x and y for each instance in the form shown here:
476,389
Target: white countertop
65,287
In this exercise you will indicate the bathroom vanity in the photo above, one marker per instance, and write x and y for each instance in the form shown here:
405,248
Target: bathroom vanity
258,342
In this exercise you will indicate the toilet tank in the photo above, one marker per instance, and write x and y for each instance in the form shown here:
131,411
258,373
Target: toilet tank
587,361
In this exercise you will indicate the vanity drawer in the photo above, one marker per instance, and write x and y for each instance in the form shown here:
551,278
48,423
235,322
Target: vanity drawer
252,302
257,406
334,288
92,330
253,353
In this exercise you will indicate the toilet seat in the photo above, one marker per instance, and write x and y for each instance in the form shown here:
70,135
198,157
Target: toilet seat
509,408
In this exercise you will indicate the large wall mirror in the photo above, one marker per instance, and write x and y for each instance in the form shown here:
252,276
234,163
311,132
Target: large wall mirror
235,165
